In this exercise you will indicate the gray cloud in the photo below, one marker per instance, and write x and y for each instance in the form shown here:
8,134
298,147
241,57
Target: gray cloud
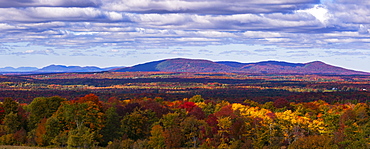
146,24
265,50
205,51
207,6
297,51
78,54
49,3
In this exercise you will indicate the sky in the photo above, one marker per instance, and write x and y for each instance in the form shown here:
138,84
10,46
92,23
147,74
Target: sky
108,33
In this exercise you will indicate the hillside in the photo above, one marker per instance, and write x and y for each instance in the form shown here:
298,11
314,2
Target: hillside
62,68
265,67
198,65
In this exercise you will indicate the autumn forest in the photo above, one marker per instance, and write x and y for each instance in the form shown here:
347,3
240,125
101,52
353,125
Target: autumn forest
185,110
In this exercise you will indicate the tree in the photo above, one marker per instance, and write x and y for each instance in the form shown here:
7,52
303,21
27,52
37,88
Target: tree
191,127
53,129
12,122
197,112
75,115
80,137
111,130
172,132
281,103
43,108
20,137
10,105
40,133
224,123
137,124
157,140
355,126
196,99
90,97
2,113
314,141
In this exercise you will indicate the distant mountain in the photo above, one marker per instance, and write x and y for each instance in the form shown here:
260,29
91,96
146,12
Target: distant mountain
111,68
265,67
52,69
62,68
199,65
19,69
179,65
150,66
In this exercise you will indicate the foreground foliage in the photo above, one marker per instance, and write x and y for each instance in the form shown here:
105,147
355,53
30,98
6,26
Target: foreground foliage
195,122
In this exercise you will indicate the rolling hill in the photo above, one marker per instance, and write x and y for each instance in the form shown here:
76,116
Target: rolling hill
62,68
199,65
265,67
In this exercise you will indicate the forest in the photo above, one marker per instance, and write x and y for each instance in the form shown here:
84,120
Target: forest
189,123
184,110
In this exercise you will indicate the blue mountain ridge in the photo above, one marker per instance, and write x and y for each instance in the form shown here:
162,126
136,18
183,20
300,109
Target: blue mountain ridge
200,65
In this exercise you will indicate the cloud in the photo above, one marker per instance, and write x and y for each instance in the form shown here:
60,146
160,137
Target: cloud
236,52
77,54
49,3
206,6
69,14
205,51
150,24
179,52
266,50
303,51
36,52
348,53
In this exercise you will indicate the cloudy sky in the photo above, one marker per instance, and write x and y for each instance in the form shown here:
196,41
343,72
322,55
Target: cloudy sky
127,32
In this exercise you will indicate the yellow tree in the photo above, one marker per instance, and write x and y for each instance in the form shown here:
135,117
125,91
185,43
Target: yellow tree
157,140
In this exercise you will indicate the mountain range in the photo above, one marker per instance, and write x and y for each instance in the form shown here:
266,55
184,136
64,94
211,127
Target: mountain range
200,65
52,69
264,67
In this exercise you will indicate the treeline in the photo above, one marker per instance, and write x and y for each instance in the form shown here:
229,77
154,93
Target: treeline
87,122
228,94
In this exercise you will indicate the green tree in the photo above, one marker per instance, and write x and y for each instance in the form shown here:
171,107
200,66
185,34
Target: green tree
80,137
111,130
191,128
75,115
43,107
356,127
12,122
53,129
196,99
137,124
10,105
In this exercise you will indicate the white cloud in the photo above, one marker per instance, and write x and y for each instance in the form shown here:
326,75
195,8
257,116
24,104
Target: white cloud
49,3
206,6
145,24
320,12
